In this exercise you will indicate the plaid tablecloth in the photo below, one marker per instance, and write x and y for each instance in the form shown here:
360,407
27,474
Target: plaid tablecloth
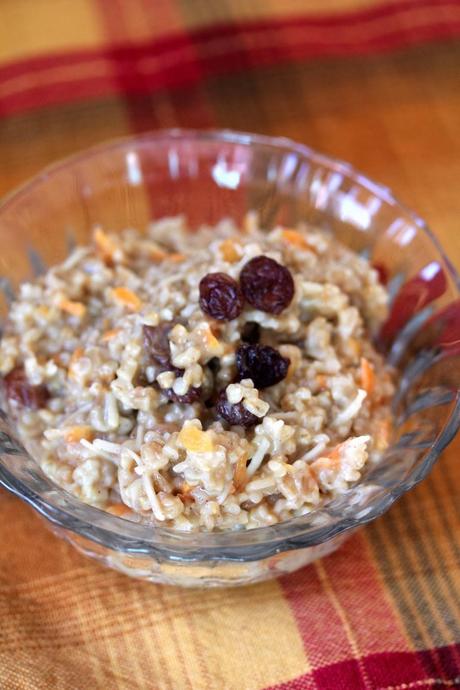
383,613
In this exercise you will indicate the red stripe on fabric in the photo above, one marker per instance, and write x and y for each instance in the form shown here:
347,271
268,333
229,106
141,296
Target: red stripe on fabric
330,606
140,113
185,59
386,670
360,591
333,22
320,627
446,659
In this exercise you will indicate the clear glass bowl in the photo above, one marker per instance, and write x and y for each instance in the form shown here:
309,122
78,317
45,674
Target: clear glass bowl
209,175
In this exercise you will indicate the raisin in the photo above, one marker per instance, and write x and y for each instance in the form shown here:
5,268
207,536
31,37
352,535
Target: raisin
267,285
221,296
236,415
261,363
21,391
214,365
192,395
156,342
250,332
157,345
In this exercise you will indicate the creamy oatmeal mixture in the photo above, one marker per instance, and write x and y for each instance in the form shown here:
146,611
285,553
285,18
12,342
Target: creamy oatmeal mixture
222,379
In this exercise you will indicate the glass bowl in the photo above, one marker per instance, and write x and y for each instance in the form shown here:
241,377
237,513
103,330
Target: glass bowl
209,175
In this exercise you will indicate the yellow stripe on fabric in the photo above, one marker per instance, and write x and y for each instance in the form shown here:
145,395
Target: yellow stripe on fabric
230,640
186,639
205,12
342,614
34,27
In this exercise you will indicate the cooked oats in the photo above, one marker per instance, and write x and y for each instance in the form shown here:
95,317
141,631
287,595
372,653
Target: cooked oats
115,375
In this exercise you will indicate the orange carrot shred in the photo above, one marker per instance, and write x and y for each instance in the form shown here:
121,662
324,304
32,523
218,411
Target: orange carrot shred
297,239
321,381
367,376
76,433
106,246
73,308
229,251
127,298
108,335
240,475
118,509
76,355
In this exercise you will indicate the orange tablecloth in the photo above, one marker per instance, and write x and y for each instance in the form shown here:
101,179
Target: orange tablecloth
383,613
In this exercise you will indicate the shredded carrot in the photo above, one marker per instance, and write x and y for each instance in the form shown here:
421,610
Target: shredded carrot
76,433
321,381
229,252
127,298
73,308
118,509
334,453
108,335
175,257
106,245
240,475
195,440
297,239
76,355
211,339
155,252
367,376
212,344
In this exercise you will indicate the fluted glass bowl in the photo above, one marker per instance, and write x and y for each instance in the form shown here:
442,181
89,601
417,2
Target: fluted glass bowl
207,176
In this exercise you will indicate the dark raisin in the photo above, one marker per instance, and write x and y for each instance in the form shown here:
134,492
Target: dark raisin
220,296
214,365
273,498
156,342
236,415
267,285
250,332
21,391
248,505
261,363
192,395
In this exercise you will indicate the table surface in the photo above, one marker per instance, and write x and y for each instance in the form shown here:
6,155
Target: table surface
396,117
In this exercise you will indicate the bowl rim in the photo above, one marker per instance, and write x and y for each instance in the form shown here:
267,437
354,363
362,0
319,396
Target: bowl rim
66,511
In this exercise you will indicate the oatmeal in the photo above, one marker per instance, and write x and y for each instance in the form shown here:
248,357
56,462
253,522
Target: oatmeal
216,380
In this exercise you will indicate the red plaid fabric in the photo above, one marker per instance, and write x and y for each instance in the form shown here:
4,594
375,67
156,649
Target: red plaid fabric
383,613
